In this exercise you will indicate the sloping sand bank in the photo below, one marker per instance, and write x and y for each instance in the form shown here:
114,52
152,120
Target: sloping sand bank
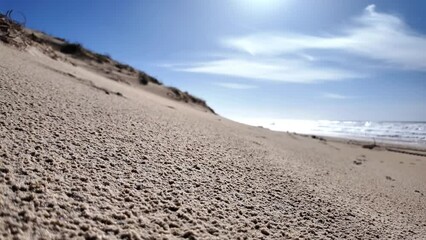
82,156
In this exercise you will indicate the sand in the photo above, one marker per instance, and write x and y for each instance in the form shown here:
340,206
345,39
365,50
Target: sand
85,157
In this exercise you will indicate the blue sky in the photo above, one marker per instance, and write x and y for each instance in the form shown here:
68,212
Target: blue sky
274,59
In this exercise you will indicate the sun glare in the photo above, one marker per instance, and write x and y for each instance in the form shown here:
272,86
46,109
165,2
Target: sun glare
261,6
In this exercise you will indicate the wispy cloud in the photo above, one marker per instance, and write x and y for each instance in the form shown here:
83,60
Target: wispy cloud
238,86
288,57
273,69
335,96
373,35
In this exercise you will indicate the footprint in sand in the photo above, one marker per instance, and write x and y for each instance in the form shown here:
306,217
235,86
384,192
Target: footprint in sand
360,160
389,178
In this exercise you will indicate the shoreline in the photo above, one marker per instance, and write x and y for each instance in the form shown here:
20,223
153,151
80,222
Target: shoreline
395,133
413,149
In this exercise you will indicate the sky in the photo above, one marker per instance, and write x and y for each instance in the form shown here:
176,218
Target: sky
269,59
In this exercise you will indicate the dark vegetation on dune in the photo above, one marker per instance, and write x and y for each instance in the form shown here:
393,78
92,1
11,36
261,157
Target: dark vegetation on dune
144,79
9,29
72,48
14,33
186,97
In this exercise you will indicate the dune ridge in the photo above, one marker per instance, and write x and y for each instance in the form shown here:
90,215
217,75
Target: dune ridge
20,37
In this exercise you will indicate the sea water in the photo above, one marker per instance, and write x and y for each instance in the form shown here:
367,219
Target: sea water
411,133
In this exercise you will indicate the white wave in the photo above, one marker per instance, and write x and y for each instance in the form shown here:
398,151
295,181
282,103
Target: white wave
398,132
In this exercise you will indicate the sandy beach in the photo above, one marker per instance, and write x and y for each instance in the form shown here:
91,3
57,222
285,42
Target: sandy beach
86,157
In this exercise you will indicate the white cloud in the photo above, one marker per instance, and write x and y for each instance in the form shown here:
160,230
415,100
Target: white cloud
274,69
370,8
289,57
374,35
335,96
238,86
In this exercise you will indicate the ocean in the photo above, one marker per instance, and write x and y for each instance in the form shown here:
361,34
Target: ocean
406,133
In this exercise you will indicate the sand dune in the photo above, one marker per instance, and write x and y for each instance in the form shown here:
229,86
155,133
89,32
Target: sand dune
83,156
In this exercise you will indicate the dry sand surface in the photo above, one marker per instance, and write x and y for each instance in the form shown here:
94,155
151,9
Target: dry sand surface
85,157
